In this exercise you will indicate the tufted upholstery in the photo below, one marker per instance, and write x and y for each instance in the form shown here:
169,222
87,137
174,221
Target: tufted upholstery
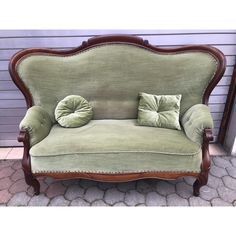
159,111
111,76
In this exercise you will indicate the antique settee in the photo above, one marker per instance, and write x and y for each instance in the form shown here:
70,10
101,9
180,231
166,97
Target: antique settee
109,71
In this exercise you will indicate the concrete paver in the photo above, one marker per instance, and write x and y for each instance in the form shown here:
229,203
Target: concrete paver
231,171
175,200
55,189
164,188
214,182
5,196
221,162
40,200
93,193
155,199
133,198
218,171
197,201
220,190
5,183
123,187
113,196
73,192
208,193
59,201
184,190
99,203
226,194
79,202
143,186
19,199
233,161
219,202
229,182
118,204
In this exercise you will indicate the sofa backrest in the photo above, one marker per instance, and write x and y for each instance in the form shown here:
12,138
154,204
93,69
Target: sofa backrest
111,73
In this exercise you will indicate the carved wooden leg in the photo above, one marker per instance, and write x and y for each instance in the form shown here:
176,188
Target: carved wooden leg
200,181
29,178
206,162
32,181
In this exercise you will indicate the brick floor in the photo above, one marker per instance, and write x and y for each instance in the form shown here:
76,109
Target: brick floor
220,190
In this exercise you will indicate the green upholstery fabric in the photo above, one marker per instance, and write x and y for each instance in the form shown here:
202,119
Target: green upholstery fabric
159,111
111,76
73,111
38,124
115,146
195,120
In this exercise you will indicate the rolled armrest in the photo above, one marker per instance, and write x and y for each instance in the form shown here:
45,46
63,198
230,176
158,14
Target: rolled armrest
195,120
38,124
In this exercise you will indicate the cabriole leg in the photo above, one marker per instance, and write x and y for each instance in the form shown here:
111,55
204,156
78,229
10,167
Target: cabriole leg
200,181
32,181
29,178
206,163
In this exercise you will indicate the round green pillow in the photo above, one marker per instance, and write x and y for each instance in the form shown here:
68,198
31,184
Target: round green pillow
73,111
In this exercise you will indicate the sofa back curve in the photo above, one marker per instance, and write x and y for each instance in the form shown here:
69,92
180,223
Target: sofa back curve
111,75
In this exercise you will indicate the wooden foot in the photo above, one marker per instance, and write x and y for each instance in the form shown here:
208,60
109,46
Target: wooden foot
32,181
206,163
196,188
200,181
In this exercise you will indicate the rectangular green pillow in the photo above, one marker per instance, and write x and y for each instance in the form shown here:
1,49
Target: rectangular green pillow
159,111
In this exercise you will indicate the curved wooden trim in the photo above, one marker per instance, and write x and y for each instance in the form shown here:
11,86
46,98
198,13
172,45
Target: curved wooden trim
118,39
119,177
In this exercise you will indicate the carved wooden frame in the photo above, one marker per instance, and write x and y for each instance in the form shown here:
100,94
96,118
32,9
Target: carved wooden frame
202,177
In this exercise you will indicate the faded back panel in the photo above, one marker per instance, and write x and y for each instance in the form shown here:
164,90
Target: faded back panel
111,76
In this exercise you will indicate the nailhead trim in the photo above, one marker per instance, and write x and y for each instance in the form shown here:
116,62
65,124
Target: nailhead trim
113,172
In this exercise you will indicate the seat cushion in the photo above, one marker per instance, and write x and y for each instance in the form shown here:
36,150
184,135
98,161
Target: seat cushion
115,146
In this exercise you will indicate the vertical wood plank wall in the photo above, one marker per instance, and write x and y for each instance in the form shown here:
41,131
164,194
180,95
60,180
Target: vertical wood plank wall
12,104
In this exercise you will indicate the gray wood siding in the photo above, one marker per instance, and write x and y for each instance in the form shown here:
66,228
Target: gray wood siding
12,104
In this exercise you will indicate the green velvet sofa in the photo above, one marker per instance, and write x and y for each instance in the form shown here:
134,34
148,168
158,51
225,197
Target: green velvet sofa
110,71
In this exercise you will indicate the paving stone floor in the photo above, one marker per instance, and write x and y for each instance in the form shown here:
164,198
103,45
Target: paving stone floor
220,190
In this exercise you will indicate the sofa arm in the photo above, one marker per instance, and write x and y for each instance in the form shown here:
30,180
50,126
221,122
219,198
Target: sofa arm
195,120
37,123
